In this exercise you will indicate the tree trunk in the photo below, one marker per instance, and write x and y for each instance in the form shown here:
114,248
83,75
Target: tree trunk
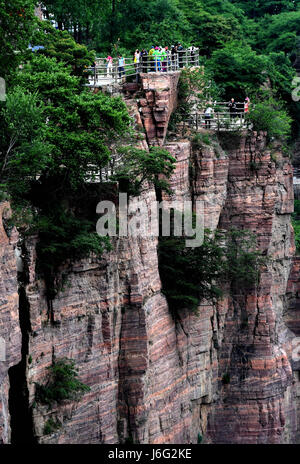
79,34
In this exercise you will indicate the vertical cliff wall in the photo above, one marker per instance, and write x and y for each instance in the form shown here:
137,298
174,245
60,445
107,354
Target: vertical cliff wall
10,332
255,405
153,378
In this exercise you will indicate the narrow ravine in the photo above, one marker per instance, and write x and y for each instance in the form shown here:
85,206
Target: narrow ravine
21,422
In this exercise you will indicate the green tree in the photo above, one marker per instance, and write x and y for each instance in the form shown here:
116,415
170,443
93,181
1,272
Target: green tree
190,274
80,125
239,69
24,150
61,46
258,8
16,26
270,115
79,15
137,166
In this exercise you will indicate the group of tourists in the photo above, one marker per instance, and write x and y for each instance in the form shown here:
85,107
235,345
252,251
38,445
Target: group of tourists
234,110
154,60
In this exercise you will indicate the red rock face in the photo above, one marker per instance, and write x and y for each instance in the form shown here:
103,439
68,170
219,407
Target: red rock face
255,406
154,379
180,180
292,320
292,316
10,333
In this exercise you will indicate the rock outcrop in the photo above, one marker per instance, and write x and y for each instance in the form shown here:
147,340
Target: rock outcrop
160,100
226,375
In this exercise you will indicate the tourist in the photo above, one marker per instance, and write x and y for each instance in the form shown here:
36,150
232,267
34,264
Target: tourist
180,52
136,60
174,57
121,66
168,59
208,115
232,108
164,59
192,50
109,65
144,59
157,59
246,104
151,59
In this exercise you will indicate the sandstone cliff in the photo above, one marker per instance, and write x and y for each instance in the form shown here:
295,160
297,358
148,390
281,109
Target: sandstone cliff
154,379
10,331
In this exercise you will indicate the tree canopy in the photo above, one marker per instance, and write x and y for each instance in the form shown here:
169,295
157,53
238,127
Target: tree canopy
16,26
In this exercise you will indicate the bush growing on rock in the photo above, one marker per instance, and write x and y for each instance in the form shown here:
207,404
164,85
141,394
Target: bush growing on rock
62,384
191,274
270,116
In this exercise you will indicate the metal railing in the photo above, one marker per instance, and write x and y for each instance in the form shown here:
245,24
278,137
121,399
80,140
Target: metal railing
104,73
220,119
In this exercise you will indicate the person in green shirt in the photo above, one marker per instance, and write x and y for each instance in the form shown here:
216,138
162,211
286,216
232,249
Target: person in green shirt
163,55
157,59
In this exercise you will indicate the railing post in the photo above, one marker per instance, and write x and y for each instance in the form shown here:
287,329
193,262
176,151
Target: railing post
197,121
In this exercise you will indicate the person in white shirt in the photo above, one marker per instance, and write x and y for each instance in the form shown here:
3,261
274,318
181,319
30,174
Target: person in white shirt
208,115
109,61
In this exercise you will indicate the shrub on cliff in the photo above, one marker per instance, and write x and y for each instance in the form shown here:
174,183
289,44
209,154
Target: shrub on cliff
51,426
296,224
62,384
137,166
190,274
270,116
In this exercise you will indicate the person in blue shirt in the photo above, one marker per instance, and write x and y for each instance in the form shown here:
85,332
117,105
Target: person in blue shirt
121,66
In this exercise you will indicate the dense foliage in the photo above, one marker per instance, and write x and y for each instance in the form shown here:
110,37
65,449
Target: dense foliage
138,166
190,274
16,26
270,116
296,224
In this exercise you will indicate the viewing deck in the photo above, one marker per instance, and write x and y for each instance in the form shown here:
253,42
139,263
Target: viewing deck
102,75
113,77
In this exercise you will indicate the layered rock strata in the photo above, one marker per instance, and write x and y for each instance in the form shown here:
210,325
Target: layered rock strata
226,375
10,332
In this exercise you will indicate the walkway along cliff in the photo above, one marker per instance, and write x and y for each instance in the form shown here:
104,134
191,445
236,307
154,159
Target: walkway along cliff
153,379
